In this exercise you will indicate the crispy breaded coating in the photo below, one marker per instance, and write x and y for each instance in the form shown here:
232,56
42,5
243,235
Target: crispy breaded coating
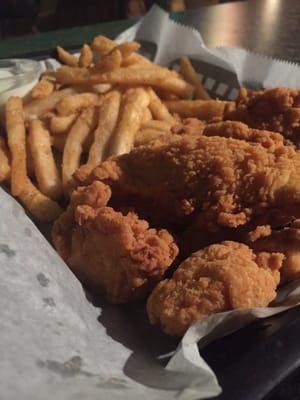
239,130
115,254
217,278
276,110
226,182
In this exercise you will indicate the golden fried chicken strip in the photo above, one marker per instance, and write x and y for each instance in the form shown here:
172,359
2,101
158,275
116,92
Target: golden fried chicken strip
276,110
220,277
115,254
223,181
239,130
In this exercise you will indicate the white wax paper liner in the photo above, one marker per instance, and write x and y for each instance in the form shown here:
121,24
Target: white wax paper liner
52,345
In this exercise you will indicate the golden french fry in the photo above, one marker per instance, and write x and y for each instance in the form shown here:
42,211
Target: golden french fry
107,121
15,127
147,116
158,109
42,89
146,77
136,61
40,206
191,76
66,58
128,48
86,56
38,107
158,125
109,62
69,105
4,161
63,124
103,45
133,107
145,136
157,77
85,123
66,75
202,109
46,173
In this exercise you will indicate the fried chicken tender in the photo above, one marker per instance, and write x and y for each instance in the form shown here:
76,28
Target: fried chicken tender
286,241
276,110
224,182
217,278
239,130
116,254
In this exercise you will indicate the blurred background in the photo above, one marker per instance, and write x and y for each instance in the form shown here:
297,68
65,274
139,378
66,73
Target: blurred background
19,17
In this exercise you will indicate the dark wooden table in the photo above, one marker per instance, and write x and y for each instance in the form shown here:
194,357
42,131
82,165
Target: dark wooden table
267,26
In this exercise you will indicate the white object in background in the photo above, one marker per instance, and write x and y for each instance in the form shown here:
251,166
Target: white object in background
17,77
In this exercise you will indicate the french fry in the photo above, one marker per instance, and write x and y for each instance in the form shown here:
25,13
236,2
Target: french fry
158,125
69,105
136,61
86,56
158,109
38,107
66,58
42,89
85,123
16,136
66,75
146,77
134,103
46,173
191,76
102,45
145,136
63,124
147,116
4,161
109,62
40,206
202,109
157,77
107,121
127,49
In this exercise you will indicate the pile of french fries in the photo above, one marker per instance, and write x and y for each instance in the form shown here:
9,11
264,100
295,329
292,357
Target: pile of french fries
102,103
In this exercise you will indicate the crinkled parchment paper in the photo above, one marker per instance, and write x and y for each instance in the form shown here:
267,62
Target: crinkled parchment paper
56,342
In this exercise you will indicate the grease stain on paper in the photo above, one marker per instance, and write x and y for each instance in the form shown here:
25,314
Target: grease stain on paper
4,248
48,301
67,369
113,383
42,279
27,232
